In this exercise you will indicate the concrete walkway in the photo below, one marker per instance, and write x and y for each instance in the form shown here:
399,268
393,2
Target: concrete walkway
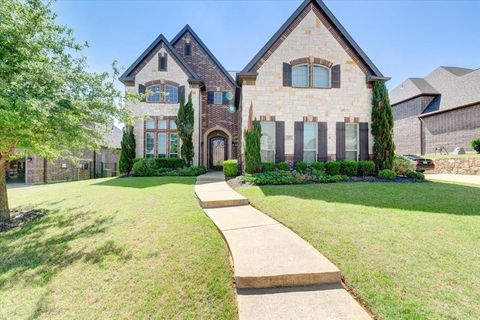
459,178
278,275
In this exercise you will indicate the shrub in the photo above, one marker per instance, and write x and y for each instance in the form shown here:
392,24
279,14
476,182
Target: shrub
144,167
282,166
366,168
170,163
273,178
415,175
190,171
127,153
476,144
301,166
230,168
332,168
268,166
319,166
349,168
387,174
402,165
252,148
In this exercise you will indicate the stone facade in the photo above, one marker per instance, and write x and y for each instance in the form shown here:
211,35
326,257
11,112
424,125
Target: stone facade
460,165
310,38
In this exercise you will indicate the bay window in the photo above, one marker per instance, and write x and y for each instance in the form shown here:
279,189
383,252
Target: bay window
309,142
267,141
351,141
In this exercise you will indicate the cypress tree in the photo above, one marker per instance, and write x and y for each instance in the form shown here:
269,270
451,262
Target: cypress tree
185,124
253,160
382,127
127,154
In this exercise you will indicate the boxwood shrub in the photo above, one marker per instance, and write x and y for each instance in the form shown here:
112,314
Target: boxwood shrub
349,168
319,166
366,168
476,144
387,174
147,167
268,166
301,166
287,177
402,165
230,168
282,166
332,168
415,175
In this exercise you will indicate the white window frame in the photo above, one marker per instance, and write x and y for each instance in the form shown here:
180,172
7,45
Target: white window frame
357,144
274,140
329,76
308,75
217,94
316,141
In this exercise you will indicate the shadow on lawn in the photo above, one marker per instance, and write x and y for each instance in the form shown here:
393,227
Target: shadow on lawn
432,197
34,253
145,182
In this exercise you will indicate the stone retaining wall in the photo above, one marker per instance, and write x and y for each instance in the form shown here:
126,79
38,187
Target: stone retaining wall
461,165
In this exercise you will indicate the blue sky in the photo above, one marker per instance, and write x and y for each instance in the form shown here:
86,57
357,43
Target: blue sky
403,38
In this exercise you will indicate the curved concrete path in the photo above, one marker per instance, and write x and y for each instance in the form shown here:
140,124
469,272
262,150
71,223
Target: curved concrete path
278,275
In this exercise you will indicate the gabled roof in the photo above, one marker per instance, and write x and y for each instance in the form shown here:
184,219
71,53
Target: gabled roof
458,71
204,47
323,8
127,75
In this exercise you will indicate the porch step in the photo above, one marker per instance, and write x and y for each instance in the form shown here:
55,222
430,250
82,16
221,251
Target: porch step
213,192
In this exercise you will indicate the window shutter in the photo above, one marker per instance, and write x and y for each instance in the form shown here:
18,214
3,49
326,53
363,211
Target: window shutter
336,77
298,141
363,130
279,141
287,75
224,98
340,141
210,97
141,90
162,63
322,142
181,90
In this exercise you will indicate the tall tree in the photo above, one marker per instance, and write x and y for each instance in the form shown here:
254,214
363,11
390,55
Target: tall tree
49,104
185,125
252,135
127,154
382,127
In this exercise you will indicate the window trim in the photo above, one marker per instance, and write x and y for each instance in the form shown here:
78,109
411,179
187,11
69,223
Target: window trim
308,74
216,93
274,140
156,131
357,150
329,76
315,124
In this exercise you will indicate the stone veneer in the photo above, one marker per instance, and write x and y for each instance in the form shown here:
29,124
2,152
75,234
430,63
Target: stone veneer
460,165
270,98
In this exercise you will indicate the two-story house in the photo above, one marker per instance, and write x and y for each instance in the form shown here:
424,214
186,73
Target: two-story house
309,86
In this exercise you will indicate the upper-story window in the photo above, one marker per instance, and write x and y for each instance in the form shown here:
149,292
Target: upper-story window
300,76
162,63
321,77
188,49
218,97
155,93
171,94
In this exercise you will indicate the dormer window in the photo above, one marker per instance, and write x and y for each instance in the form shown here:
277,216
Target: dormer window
321,77
300,76
188,49
155,96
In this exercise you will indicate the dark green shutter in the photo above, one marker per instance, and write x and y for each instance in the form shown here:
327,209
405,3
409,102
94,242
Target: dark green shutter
210,97
287,75
340,141
363,131
141,90
322,142
225,99
181,90
298,141
336,76
279,141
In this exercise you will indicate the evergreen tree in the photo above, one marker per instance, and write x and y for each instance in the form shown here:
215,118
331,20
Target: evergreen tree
127,155
253,159
185,125
382,127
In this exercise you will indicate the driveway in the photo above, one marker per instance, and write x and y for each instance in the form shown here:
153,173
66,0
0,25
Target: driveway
459,178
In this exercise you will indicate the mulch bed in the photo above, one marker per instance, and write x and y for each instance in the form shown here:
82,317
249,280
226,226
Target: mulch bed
21,216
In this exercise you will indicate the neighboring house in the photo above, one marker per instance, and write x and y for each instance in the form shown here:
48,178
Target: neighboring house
439,111
91,164
310,86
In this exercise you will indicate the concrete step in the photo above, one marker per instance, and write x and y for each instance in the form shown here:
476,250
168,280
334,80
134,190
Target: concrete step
218,194
326,302
266,254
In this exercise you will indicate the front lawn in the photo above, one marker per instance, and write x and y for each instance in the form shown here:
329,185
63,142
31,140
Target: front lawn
409,251
115,249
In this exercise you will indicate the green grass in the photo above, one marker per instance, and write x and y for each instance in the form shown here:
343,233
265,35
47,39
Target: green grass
409,251
115,249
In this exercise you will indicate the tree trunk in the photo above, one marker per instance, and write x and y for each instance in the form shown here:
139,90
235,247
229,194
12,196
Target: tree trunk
4,211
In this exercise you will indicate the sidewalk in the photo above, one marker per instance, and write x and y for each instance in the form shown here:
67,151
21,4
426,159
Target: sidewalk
278,275
459,178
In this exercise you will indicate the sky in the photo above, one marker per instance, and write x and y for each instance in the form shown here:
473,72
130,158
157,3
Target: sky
403,38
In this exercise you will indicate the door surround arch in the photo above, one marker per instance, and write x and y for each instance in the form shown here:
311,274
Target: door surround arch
211,133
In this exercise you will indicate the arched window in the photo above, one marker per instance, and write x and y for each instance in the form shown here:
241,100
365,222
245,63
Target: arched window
300,76
154,93
321,76
171,94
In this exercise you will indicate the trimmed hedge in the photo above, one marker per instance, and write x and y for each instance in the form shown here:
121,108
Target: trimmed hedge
332,168
402,165
268,166
366,168
301,166
282,166
286,177
319,166
147,167
415,175
387,174
349,168
230,168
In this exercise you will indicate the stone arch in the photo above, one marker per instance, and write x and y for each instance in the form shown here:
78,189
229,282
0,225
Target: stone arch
212,132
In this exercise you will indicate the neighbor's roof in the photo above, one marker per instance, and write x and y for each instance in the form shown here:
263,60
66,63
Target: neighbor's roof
114,138
188,29
329,15
128,76
456,87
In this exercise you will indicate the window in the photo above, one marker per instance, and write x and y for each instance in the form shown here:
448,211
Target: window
162,145
171,94
218,97
188,49
309,142
162,63
149,124
321,77
173,125
351,141
300,76
154,94
149,145
173,152
162,124
267,142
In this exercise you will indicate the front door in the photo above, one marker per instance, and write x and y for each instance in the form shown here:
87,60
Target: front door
218,152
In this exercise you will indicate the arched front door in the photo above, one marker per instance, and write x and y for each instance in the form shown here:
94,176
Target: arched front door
218,152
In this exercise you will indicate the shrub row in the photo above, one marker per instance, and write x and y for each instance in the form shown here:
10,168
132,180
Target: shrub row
170,163
147,167
333,168
230,168
287,177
